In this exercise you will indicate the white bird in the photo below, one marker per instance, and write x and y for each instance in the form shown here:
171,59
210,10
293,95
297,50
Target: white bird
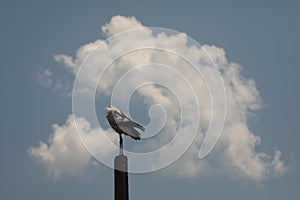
122,125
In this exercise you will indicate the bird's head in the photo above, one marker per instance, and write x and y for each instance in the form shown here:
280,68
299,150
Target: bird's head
115,112
108,111
111,110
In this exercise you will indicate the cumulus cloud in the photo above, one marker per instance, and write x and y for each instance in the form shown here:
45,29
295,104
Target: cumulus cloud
64,153
45,78
236,153
119,24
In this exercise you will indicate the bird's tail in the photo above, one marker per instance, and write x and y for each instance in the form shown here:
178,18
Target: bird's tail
139,126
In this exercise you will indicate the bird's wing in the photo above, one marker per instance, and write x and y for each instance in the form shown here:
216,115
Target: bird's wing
129,130
128,122
136,125
132,123
127,125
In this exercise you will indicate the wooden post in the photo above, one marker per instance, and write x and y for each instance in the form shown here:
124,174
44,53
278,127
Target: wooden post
121,178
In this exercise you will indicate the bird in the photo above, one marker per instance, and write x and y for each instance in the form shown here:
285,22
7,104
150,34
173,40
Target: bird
122,125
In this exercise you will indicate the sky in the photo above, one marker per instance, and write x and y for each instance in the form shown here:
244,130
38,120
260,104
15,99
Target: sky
254,45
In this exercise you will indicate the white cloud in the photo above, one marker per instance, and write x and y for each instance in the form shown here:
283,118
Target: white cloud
66,60
119,24
235,154
64,153
45,78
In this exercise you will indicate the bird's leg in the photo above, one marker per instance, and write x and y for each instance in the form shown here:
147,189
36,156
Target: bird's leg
121,145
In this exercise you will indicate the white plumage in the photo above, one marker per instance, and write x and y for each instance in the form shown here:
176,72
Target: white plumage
122,125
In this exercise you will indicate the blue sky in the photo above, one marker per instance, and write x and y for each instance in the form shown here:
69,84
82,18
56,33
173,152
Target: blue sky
261,36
